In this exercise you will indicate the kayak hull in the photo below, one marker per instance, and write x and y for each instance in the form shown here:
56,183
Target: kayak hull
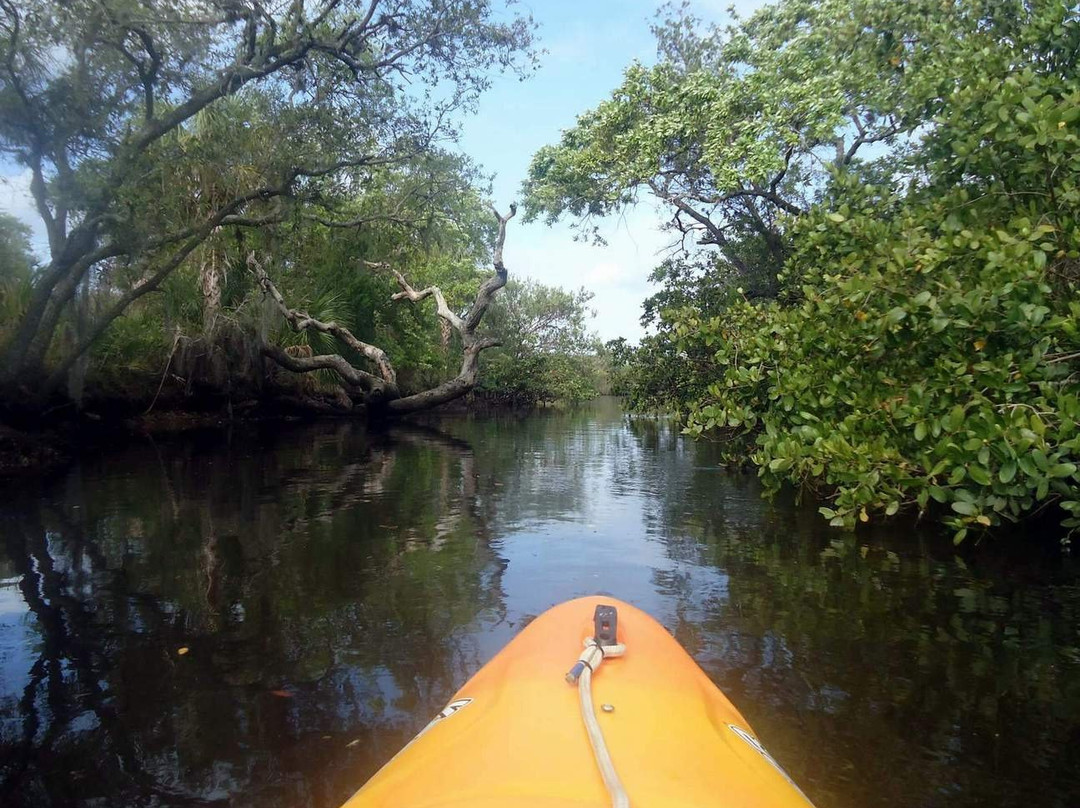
514,734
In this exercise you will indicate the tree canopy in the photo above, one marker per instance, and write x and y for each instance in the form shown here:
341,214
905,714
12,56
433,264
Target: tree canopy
151,130
736,129
547,352
897,180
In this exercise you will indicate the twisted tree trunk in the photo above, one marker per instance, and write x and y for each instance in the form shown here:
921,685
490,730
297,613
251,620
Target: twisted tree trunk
379,390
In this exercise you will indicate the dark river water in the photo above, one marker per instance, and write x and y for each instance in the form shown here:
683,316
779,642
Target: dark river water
333,587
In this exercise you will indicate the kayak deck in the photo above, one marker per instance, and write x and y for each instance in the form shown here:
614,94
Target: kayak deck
514,734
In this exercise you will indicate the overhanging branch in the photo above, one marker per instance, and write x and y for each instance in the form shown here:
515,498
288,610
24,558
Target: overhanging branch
382,389
305,364
465,326
299,321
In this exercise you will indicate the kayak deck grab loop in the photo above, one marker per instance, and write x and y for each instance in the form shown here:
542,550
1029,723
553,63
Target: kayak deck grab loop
598,648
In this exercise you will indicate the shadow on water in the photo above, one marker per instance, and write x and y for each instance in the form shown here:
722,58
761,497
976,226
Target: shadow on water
333,587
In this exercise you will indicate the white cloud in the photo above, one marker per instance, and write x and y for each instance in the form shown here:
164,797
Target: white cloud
617,273
604,273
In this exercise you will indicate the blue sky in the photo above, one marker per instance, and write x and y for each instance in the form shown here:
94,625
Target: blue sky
588,44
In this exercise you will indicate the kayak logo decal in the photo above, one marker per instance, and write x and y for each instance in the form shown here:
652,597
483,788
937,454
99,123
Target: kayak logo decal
452,708
755,744
446,712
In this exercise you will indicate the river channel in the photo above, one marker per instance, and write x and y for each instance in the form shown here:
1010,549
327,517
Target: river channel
265,615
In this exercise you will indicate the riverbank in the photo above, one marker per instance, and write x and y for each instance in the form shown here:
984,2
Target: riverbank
38,440
41,451
43,443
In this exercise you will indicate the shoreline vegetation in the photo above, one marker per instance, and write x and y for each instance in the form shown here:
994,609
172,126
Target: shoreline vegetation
872,295
60,438
882,310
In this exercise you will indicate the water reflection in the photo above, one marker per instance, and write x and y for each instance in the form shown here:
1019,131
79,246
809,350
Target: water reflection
332,587
327,587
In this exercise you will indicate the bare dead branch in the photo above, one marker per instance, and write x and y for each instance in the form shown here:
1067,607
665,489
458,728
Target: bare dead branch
466,326
443,310
305,364
382,389
299,321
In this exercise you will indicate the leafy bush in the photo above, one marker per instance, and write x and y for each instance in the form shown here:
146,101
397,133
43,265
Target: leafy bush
539,379
925,348
547,353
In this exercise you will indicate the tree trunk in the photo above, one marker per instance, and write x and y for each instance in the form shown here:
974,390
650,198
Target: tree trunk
382,396
210,282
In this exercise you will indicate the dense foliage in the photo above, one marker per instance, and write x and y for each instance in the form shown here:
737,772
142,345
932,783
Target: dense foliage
735,130
443,235
547,352
16,268
165,142
922,350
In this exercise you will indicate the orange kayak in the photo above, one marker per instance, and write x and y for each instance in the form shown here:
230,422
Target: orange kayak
516,734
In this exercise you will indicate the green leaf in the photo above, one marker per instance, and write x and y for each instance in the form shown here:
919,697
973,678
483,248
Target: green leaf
956,418
1007,471
965,508
1027,466
780,464
895,315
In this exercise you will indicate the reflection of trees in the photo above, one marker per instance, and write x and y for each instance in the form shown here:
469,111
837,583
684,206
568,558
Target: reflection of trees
881,669
922,676
544,465
347,572
361,574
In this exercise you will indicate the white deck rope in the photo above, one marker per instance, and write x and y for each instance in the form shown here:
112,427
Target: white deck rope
592,656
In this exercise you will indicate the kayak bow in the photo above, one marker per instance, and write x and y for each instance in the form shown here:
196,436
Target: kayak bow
518,734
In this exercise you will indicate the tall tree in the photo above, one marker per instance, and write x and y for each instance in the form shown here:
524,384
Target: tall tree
90,92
